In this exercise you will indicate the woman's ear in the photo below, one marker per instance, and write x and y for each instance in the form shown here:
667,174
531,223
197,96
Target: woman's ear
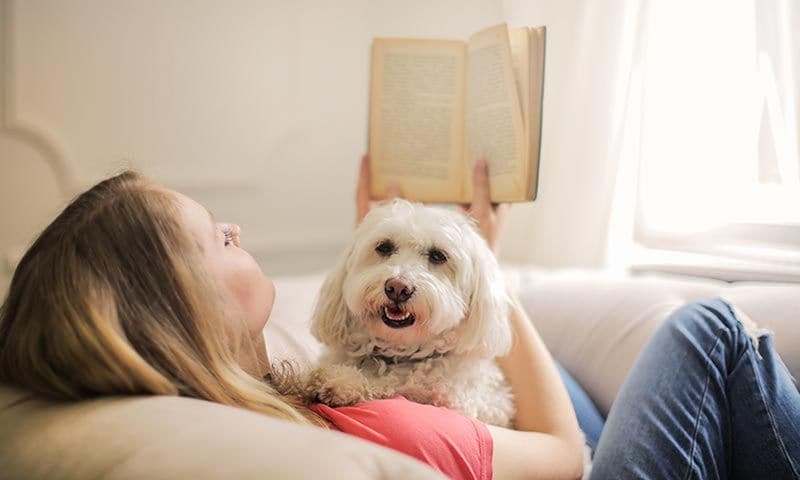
486,330
331,320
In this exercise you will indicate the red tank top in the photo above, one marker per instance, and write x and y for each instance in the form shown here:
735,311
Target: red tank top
458,446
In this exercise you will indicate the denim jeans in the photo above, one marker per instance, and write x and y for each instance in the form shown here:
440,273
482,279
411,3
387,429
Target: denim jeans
702,402
589,418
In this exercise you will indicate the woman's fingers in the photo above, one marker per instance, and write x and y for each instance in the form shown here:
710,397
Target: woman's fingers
490,217
363,199
393,191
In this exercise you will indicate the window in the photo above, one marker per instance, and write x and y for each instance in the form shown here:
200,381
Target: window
719,172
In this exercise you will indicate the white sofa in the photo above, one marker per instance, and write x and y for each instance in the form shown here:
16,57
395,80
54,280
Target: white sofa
594,323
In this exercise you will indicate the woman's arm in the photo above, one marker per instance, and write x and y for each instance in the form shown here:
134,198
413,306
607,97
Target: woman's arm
548,442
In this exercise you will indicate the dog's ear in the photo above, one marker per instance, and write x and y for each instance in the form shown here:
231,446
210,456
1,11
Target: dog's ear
332,319
486,330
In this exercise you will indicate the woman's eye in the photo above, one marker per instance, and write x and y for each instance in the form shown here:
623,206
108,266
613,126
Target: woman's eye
385,248
436,256
228,236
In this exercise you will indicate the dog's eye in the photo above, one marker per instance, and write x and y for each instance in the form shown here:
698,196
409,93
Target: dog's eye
436,256
385,248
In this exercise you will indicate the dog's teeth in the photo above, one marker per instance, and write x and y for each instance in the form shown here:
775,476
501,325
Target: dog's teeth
401,316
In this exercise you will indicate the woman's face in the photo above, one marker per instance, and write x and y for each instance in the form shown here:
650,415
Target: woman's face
248,292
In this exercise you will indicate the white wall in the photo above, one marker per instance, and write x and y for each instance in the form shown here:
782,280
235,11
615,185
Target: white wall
258,109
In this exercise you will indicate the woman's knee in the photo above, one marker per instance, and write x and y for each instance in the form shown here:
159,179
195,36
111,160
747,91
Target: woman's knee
713,317
714,311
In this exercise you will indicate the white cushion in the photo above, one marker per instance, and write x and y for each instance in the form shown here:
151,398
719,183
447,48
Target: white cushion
172,437
595,323
288,332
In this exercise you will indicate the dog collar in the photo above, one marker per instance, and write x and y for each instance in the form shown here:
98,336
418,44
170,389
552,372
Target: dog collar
399,359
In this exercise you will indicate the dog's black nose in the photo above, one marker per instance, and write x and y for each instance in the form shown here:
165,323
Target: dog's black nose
398,290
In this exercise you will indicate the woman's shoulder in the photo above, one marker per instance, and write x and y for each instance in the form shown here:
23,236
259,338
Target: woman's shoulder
457,445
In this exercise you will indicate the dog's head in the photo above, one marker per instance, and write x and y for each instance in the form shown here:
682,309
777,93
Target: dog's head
415,279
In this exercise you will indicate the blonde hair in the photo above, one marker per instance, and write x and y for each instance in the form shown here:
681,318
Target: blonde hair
112,298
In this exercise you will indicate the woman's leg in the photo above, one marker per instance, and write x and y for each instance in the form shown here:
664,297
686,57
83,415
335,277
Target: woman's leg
703,402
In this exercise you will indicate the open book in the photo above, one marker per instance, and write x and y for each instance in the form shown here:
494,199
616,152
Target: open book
437,106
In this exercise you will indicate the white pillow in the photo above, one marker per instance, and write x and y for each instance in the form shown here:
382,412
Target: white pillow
596,324
288,331
170,437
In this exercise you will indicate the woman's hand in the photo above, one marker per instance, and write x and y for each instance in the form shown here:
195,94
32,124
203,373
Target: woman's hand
491,217
363,200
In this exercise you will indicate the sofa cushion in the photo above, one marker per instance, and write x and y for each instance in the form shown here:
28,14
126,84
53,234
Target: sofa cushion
596,323
288,331
172,437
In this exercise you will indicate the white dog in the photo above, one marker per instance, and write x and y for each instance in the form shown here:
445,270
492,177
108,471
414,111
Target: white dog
416,307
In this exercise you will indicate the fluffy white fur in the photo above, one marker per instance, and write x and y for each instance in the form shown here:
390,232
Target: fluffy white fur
460,309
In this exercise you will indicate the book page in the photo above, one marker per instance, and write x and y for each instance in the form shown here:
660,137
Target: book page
520,62
536,46
417,118
494,121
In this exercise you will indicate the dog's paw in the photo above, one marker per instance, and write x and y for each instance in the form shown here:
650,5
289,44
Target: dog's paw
427,395
335,395
340,386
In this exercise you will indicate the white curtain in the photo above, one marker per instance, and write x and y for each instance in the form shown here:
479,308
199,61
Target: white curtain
676,126
717,156
719,129
592,47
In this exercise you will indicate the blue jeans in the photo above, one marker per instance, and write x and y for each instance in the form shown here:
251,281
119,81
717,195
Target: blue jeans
589,418
702,402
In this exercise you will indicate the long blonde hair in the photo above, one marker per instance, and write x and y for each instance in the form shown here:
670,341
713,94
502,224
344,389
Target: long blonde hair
112,298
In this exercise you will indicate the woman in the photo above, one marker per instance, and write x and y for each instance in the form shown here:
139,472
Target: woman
134,289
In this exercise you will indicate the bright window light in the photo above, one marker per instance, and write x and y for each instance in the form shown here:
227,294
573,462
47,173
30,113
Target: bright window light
719,129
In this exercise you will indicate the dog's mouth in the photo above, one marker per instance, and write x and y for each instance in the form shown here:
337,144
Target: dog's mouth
395,316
